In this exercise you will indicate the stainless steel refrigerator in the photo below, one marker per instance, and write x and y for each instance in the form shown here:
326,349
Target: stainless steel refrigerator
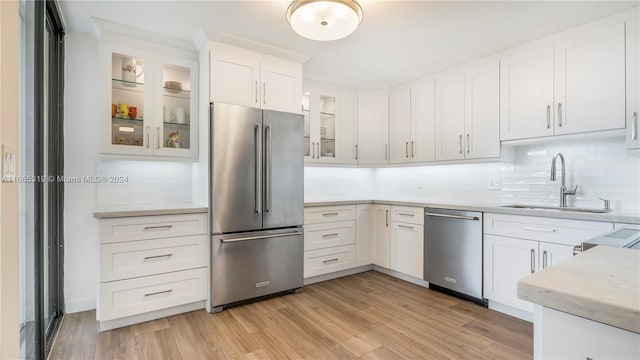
256,178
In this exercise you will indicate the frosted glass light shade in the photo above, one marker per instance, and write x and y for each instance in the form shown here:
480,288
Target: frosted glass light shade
324,20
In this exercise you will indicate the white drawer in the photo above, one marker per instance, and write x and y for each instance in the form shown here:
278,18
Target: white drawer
406,214
324,261
152,227
560,231
321,236
323,214
127,260
124,298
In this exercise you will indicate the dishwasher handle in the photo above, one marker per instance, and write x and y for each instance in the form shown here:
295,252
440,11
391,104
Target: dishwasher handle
460,217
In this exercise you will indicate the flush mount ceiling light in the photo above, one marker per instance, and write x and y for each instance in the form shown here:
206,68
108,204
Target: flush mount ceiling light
324,20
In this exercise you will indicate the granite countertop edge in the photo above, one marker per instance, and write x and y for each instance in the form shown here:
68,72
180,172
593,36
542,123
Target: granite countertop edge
614,216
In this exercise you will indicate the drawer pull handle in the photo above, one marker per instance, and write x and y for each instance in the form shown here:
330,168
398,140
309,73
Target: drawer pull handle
329,261
539,229
406,214
330,214
330,235
405,227
160,227
157,256
159,292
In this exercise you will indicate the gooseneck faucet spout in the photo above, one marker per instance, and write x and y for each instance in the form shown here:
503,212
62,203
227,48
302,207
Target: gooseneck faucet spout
563,188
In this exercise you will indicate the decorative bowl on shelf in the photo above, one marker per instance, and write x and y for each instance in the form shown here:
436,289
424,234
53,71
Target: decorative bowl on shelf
173,86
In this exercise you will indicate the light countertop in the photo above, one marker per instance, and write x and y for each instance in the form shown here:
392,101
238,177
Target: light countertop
601,284
619,216
126,211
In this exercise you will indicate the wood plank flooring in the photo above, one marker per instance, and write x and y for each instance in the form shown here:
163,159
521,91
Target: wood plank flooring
366,316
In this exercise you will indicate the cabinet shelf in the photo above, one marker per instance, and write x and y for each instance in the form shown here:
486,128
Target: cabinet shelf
175,93
127,85
127,121
176,124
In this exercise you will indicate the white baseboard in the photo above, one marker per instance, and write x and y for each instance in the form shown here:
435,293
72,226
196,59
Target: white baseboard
401,276
136,319
337,274
511,311
79,305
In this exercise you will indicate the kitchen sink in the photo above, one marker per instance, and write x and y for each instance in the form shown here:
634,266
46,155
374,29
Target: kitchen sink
541,207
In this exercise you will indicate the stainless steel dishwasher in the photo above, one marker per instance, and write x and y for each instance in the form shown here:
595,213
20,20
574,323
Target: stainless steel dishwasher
453,252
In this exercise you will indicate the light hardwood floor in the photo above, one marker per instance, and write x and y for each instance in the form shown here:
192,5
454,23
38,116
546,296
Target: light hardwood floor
365,316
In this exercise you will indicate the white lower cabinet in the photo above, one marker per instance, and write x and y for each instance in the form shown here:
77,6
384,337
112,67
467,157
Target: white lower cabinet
151,266
407,249
364,234
381,235
324,261
516,246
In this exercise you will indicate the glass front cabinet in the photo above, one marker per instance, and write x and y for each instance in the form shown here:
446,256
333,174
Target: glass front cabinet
150,104
320,110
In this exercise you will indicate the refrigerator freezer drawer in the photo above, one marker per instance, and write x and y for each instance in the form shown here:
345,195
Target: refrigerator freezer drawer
250,265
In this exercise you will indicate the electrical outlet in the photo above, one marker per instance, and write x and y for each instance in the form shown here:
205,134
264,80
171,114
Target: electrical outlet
494,184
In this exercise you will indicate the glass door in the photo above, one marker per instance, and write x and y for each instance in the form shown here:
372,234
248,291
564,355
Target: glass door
307,126
327,148
177,112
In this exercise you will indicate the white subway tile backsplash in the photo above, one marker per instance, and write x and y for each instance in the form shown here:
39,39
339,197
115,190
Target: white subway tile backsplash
149,183
600,168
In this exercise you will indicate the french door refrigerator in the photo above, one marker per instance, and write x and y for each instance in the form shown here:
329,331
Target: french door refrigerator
256,178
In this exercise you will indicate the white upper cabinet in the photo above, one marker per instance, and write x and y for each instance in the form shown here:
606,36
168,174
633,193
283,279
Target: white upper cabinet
526,92
423,122
235,77
482,110
400,127
633,83
348,125
590,80
450,92
373,129
243,77
573,82
149,102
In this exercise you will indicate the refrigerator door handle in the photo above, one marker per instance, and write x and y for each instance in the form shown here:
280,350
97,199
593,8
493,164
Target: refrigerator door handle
260,237
258,179
268,155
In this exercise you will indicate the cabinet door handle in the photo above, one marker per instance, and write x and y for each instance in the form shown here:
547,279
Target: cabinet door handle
406,214
159,138
313,150
329,261
405,226
264,93
406,149
538,229
256,91
533,261
356,152
158,293
468,143
159,227
544,259
413,150
634,126
460,144
157,256
330,235
386,216
148,137
330,214
548,116
560,114
318,154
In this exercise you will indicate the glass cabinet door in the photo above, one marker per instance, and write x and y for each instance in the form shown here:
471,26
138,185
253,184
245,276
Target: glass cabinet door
175,132
127,126
307,125
327,127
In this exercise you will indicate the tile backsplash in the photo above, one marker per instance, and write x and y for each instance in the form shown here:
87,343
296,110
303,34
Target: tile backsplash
149,183
600,168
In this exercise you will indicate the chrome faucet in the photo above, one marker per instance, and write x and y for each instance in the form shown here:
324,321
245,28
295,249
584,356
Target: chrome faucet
563,189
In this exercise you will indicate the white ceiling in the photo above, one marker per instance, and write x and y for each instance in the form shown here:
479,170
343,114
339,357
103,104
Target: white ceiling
398,41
